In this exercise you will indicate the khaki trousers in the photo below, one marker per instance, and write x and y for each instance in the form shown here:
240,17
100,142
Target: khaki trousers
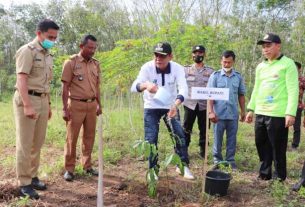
83,114
30,136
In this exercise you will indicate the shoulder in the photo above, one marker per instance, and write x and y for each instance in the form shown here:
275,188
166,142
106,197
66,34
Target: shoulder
95,61
27,48
209,69
176,67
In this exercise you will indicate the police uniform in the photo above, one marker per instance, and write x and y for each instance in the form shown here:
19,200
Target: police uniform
83,78
36,62
195,108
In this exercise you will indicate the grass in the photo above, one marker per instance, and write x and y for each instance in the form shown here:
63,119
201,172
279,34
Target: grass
123,125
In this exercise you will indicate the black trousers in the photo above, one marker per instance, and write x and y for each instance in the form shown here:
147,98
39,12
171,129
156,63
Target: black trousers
271,139
297,128
189,119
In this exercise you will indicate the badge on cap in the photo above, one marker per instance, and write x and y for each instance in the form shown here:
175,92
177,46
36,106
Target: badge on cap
159,47
266,36
197,48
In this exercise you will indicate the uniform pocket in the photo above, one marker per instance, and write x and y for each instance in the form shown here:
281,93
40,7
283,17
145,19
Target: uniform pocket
221,84
79,75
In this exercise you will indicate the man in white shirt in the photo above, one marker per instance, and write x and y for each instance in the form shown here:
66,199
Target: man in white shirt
165,75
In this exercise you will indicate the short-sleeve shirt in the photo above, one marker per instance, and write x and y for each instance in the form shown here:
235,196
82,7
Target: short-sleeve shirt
196,78
82,76
227,110
35,61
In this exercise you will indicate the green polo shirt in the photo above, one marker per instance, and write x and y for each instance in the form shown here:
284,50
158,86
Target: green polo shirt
276,88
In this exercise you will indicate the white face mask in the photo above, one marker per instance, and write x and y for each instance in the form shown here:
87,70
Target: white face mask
227,69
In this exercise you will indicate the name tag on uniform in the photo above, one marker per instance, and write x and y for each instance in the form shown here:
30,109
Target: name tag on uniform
203,93
190,78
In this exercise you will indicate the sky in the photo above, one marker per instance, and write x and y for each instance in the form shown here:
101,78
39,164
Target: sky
7,3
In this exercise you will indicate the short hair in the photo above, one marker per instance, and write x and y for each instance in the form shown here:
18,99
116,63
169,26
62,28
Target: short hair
47,24
86,38
298,64
228,53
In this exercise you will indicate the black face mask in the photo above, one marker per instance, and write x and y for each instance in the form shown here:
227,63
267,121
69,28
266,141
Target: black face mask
198,58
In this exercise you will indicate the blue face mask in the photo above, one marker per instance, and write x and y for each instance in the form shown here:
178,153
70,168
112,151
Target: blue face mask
47,44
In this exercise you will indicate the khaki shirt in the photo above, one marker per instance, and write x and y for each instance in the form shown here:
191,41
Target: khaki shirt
37,62
196,78
82,76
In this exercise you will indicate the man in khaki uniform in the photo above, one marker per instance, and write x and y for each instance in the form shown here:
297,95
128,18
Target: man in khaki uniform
197,75
81,104
32,105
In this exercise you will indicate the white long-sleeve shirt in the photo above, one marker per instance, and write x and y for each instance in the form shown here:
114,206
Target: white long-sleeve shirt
173,80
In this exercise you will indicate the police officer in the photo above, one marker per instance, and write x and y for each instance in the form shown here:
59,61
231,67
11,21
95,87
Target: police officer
197,75
31,104
81,104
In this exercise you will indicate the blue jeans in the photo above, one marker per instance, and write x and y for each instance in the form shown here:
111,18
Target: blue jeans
230,126
152,119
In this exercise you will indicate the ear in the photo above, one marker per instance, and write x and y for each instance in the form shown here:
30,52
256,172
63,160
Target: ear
171,56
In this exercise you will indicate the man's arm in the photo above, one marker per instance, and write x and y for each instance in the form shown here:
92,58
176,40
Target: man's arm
65,97
210,103
241,100
23,91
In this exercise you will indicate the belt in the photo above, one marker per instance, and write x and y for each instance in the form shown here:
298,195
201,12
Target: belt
84,100
34,93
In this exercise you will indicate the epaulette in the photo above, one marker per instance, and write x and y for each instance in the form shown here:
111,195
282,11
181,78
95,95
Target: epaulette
73,56
31,47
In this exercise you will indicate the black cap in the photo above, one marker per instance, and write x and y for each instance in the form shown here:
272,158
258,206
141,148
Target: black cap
163,48
269,38
198,48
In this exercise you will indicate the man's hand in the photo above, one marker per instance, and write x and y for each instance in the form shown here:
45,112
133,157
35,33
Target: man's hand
66,115
30,112
151,87
213,117
289,120
172,112
242,116
98,110
249,117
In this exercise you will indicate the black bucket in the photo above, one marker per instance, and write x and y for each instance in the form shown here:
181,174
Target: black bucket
217,183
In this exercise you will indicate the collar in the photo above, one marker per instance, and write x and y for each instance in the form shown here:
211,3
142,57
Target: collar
224,73
35,43
279,57
82,59
166,71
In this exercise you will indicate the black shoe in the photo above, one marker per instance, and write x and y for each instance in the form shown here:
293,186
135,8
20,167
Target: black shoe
28,190
68,176
298,185
264,177
91,171
37,184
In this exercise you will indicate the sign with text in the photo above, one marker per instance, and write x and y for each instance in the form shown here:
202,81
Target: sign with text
203,93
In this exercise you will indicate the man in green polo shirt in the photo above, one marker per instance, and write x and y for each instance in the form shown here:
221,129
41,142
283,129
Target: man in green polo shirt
274,100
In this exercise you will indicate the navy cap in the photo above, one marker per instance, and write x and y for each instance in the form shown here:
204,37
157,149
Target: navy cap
269,38
198,48
163,48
